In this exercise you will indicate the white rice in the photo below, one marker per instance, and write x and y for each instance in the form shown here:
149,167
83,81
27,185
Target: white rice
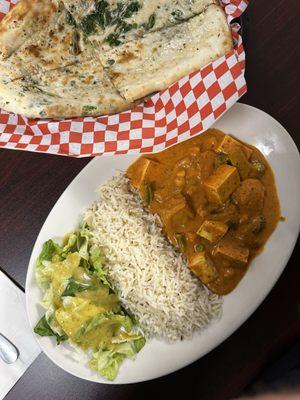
152,280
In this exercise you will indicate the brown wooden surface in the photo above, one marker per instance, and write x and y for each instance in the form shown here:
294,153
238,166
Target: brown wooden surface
30,184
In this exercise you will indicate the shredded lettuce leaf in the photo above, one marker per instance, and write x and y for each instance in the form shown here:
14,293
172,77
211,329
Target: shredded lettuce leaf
109,319
74,287
43,264
96,263
81,305
42,328
49,249
139,343
83,238
47,299
107,361
70,244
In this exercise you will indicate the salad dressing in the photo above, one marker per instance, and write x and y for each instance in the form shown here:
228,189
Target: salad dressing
81,307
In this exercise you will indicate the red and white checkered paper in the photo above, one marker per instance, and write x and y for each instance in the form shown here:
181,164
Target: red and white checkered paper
185,109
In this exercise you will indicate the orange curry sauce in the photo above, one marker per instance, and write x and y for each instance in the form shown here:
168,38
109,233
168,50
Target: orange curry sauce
217,201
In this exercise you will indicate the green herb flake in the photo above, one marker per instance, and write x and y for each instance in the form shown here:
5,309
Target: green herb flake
222,158
104,16
70,20
198,247
132,8
88,24
101,6
45,92
75,43
89,108
151,22
149,193
113,39
177,15
181,240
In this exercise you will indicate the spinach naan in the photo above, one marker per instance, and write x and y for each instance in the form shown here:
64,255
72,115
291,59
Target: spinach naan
65,58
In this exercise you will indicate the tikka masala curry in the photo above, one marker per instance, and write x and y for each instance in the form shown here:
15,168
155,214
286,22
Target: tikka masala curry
217,201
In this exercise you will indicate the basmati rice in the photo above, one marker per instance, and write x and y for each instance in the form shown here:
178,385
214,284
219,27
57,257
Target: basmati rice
152,280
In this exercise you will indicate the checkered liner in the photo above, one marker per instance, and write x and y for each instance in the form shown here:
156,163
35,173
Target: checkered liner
185,109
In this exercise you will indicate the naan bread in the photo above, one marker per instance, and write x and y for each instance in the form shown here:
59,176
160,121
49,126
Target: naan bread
112,22
78,90
155,61
26,18
51,67
56,44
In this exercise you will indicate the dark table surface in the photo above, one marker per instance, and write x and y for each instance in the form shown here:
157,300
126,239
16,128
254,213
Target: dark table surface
31,183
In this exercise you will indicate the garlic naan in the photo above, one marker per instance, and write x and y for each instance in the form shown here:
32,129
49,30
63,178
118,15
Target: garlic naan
160,58
56,44
66,58
81,89
26,18
110,23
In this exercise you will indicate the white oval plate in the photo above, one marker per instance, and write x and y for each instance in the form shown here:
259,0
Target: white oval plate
159,358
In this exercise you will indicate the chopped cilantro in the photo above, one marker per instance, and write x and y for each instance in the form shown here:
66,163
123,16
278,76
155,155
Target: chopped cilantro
101,6
89,108
132,7
88,24
178,15
70,19
112,39
104,16
151,22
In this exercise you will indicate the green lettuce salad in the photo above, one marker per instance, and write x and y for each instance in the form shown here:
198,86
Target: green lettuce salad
81,306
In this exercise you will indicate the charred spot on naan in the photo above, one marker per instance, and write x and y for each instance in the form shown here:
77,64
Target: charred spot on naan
46,50
88,79
27,17
19,12
114,74
132,51
34,50
163,57
56,110
126,56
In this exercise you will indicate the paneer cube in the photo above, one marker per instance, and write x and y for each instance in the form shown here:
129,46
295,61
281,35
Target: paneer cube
232,251
179,178
212,230
219,186
173,206
181,219
137,172
203,267
239,160
228,143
